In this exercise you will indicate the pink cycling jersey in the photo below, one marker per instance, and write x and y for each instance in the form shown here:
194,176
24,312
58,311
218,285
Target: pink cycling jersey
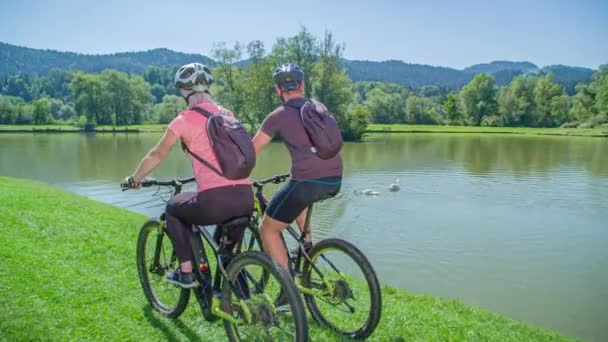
191,127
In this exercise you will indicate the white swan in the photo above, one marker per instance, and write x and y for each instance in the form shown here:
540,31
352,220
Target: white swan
395,186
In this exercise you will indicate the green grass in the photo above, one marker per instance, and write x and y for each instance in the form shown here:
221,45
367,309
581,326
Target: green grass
8,128
68,273
141,128
71,128
399,128
375,128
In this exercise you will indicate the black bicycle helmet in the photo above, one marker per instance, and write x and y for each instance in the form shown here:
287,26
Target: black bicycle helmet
288,76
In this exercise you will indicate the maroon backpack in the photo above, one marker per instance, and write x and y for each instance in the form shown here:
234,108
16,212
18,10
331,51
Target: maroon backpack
322,129
231,144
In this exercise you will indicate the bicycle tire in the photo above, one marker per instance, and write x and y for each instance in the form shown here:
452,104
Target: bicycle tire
143,270
371,280
251,242
285,281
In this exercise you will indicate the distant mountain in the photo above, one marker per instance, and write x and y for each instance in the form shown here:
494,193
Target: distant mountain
16,59
568,76
413,75
497,66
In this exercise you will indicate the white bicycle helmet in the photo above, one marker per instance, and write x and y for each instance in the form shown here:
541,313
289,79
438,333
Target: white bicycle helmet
194,76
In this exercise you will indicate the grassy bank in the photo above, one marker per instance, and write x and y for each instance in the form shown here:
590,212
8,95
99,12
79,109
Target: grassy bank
398,128
68,273
375,128
74,129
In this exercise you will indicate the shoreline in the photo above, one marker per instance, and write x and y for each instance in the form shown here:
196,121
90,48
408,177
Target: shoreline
601,132
62,308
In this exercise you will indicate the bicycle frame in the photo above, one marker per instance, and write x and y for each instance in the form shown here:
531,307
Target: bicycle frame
260,204
200,264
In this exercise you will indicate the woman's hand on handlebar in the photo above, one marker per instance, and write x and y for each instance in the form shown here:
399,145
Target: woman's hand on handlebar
130,183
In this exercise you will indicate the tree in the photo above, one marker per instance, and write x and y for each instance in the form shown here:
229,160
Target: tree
57,84
66,112
516,103
358,119
599,85
478,98
10,108
450,108
583,102
170,106
88,92
385,108
259,93
158,91
17,86
551,103
25,116
154,75
421,110
41,112
332,87
229,87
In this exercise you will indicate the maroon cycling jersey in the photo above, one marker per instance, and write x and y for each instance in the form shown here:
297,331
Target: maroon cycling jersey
286,124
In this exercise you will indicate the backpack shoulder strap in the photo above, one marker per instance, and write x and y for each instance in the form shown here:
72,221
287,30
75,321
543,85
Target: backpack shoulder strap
203,161
300,106
203,112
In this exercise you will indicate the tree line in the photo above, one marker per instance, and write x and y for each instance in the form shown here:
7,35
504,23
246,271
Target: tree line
117,98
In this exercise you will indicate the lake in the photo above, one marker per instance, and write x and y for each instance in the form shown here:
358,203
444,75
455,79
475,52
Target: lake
515,224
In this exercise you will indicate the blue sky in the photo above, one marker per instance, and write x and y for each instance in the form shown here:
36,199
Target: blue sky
447,33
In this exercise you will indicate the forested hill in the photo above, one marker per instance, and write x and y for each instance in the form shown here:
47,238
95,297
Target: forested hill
415,75
496,66
15,59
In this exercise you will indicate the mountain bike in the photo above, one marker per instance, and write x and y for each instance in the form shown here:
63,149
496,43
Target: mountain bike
233,292
338,282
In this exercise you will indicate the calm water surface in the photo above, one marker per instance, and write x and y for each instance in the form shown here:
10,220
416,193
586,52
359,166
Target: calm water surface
515,224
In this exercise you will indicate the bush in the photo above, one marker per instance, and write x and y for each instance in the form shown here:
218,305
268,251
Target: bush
585,124
81,122
569,125
492,120
599,120
596,121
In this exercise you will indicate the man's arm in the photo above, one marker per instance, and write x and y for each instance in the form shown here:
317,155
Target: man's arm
156,154
260,140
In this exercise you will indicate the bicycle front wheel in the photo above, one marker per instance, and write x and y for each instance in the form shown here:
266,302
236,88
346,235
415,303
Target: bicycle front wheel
341,289
252,242
256,315
156,257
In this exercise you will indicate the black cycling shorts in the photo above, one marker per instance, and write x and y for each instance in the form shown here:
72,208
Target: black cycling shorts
297,195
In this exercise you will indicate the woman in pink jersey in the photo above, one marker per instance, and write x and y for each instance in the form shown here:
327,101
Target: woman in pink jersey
218,199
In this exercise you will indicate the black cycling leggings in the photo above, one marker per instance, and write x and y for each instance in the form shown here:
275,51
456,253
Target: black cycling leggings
208,207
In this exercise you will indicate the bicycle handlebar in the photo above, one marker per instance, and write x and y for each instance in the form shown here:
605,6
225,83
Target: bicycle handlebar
274,179
151,182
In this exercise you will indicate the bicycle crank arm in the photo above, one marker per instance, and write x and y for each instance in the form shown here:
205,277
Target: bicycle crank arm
215,309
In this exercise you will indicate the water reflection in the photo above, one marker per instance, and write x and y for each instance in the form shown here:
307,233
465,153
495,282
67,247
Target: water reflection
69,157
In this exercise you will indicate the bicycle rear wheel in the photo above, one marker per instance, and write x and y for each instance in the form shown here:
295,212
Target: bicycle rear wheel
343,292
243,297
156,257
